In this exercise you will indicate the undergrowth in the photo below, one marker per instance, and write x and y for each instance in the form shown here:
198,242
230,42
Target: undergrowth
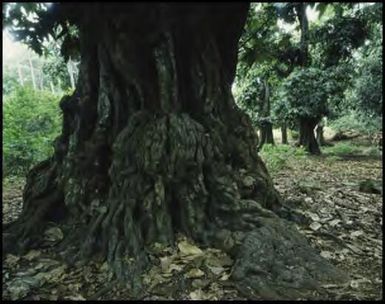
276,157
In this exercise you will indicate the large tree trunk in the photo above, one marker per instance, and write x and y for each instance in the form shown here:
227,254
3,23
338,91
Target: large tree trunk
306,135
152,143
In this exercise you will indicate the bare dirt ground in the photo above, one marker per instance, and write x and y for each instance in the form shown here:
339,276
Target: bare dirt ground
342,222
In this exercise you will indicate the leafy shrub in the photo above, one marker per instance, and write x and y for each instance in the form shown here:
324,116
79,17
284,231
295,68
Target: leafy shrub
276,157
294,134
31,122
367,91
342,148
355,121
305,93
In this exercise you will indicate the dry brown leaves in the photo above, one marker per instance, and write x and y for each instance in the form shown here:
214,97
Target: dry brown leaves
345,225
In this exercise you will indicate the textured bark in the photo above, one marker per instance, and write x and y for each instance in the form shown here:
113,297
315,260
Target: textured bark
152,143
306,135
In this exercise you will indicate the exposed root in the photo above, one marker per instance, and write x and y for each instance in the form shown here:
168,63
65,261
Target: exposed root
168,175
43,202
276,262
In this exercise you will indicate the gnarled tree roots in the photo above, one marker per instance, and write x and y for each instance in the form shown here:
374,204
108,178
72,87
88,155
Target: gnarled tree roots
169,173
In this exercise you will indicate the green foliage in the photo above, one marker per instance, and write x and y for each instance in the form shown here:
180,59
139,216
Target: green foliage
21,65
338,38
323,88
287,11
352,148
264,43
9,80
341,78
36,23
294,134
257,42
305,93
367,92
356,121
23,19
342,148
11,181
31,122
266,55
250,95
360,109
56,69
277,156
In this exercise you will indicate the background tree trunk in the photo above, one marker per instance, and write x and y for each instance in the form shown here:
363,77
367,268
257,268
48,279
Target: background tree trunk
306,129
20,74
304,42
306,135
284,133
152,144
320,135
320,132
266,125
70,70
52,87
266,134
32,72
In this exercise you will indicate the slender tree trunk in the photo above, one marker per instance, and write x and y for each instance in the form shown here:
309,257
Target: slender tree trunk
284,133
320,135
41,78
266,134
304,25
70,70
152,144
266,125
306,135
20,75
52,87
320,132
306,130
32,72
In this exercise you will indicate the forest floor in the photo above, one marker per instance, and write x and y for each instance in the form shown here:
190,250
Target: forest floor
344,223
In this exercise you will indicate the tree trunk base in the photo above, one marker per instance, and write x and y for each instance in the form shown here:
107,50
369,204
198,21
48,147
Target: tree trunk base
43,202
266,135
284,134
153,144
168,175
306,136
